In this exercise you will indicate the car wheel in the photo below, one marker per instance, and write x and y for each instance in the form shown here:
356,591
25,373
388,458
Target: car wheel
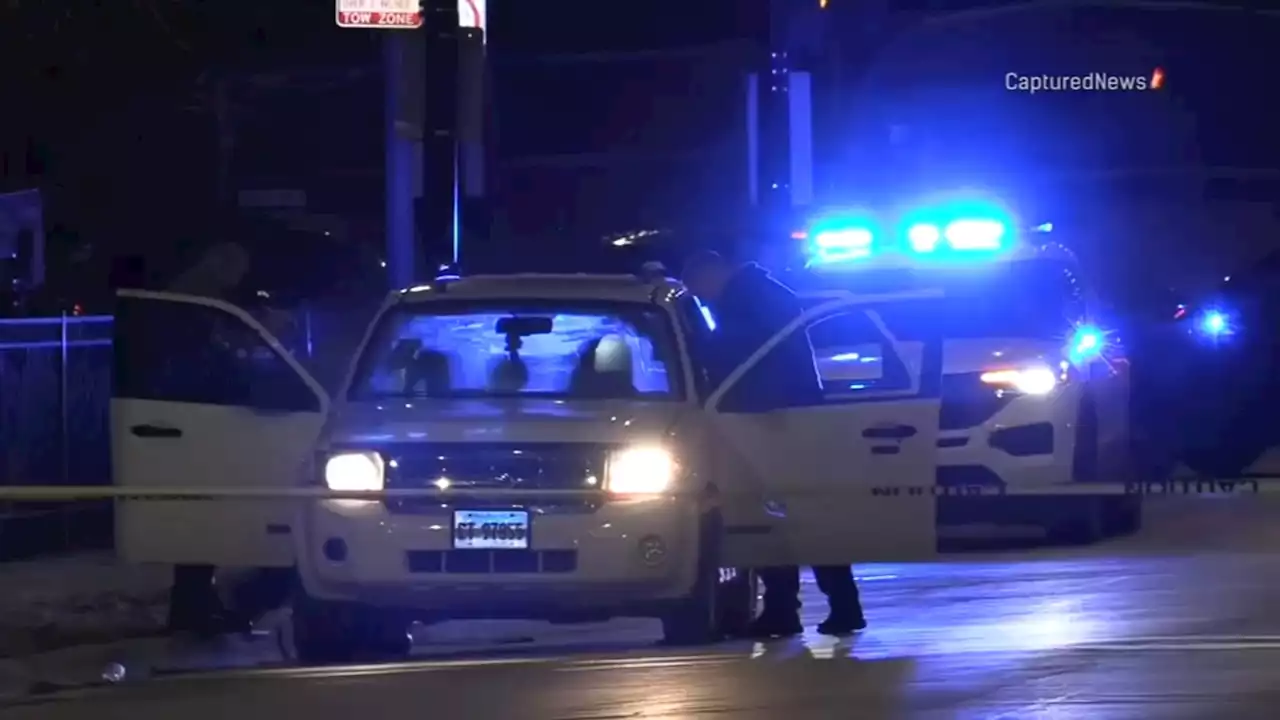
739,596
695,620
1123,515
327,633
1084,522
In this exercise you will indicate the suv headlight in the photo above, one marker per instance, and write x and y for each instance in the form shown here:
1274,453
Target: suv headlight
1034,380
355,472
644,470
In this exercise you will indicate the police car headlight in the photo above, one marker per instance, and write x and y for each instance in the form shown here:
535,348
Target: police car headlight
1035,380
355,472
643,470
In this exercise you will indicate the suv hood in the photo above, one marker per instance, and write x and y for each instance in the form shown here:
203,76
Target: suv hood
516,421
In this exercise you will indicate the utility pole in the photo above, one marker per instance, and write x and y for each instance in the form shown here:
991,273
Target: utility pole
438,221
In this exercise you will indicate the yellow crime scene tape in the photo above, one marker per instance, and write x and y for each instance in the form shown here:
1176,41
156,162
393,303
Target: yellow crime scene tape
48,493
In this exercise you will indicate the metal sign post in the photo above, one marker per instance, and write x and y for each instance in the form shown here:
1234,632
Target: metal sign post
438,230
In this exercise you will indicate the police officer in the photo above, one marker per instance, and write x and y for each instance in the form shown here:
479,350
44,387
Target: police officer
749,307
195,605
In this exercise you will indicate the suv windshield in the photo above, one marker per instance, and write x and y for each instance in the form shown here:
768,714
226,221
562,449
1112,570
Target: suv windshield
1030,299
521,348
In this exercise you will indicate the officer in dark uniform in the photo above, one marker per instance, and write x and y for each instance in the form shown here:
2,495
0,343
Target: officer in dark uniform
750,307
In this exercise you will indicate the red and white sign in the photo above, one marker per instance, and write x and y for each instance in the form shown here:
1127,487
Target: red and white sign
380,14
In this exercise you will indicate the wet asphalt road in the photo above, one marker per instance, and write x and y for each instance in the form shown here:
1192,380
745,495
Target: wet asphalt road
1076,638
1179,622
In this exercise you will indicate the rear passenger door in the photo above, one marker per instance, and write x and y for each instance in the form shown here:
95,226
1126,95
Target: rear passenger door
826,481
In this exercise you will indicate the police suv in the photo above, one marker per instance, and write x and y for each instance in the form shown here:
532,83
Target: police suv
528,446
1034,391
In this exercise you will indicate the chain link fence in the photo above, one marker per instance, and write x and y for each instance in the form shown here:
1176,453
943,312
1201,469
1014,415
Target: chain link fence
55,390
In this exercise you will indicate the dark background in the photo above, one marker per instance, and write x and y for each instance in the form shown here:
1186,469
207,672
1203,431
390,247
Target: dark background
112,110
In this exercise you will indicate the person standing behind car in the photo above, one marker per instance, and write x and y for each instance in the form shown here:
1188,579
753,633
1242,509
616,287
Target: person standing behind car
195,604
750,307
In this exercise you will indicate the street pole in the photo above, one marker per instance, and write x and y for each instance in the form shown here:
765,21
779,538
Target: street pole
438,223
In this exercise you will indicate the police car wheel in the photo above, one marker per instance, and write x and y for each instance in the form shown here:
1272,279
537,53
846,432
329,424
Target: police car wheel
695,619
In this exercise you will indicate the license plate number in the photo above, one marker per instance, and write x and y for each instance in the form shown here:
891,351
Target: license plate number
491,529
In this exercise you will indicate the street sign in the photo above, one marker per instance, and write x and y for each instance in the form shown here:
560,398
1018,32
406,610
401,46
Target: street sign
379,14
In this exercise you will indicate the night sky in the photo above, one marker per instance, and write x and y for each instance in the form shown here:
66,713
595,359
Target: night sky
108,111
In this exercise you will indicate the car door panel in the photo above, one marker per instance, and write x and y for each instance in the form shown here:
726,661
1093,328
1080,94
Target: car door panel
836,482
178,421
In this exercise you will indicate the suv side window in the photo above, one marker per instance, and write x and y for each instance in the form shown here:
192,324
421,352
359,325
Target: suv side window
853,356
853,359
187,352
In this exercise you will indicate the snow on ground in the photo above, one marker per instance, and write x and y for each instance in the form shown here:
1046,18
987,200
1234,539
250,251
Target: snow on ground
81,599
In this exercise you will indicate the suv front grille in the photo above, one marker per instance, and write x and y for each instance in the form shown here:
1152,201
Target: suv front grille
487,466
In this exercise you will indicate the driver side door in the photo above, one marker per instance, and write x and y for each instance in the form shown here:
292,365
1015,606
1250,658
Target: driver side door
205,397
841,479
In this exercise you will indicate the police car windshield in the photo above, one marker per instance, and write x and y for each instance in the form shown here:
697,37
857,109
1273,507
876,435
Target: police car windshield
1029,299
567,349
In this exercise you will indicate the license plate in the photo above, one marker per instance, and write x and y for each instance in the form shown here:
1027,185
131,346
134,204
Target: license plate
491,529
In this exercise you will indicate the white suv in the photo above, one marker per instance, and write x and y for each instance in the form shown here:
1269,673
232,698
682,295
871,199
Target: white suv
528,446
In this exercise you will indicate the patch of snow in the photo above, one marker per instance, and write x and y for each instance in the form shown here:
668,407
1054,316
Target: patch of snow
83,599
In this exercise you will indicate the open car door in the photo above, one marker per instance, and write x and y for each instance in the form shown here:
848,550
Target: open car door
206,397
843,478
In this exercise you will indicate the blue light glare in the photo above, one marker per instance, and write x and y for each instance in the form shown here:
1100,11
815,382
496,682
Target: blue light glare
706,314
1214,323
956,232
923,237
975,234
834,244
1086,343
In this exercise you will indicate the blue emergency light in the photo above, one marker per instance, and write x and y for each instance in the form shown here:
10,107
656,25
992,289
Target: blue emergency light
1087,342
955,232
1215,324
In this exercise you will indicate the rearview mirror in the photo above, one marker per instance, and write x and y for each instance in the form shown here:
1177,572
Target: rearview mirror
523,326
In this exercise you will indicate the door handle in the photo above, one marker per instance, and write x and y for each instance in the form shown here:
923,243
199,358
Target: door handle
155,431
889,432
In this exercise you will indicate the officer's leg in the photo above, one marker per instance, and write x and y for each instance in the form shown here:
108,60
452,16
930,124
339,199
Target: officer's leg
781,614
193,599
836,582
258,592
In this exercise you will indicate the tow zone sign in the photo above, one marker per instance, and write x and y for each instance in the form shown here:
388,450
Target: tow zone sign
380,14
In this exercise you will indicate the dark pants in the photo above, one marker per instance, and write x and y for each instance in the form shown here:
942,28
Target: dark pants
782,589
196,606
193,599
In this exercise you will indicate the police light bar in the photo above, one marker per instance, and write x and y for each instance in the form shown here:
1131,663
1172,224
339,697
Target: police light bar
956,231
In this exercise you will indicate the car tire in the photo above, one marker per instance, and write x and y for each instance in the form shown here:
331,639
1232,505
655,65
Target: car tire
1123,515
328,633
696,619
739,598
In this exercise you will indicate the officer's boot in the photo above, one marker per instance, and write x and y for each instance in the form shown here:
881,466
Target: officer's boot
846,615
775,624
